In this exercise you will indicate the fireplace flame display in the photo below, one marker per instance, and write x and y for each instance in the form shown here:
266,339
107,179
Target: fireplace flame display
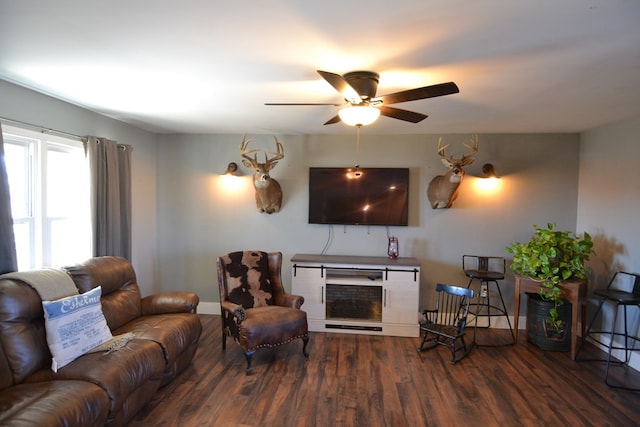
354,302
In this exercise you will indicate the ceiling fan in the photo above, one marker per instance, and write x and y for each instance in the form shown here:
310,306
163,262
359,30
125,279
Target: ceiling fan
359,91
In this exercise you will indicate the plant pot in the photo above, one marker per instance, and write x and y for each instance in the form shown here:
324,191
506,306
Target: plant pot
540,332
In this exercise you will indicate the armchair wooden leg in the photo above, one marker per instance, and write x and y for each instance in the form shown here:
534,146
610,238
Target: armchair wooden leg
305,341
224,341
249,356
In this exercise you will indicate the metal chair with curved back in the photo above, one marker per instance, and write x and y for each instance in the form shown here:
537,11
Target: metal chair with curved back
445,325
623,290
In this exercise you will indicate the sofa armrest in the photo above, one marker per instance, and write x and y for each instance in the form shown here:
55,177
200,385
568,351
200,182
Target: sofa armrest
288,300
170,302
235,310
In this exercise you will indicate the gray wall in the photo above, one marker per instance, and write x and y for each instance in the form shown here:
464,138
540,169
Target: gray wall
609,196
199,220
609,208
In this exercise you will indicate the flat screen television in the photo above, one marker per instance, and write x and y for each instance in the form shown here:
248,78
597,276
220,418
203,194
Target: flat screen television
362,196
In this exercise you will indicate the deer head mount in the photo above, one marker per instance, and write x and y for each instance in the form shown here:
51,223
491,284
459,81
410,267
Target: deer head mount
443,189
267,190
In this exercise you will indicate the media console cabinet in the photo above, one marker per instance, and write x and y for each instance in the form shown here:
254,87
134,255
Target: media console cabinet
358,294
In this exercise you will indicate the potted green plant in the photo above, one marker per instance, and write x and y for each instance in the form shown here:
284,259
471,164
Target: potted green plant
551,257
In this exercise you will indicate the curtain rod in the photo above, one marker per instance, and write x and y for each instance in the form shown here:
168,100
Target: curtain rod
43,129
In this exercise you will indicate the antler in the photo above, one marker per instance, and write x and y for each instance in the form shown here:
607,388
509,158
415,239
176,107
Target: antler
277,155
243,149
467,160
441,148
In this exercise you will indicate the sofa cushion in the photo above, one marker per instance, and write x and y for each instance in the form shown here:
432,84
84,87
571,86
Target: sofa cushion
119,373
22,333
109,272
122,306
247,275
54,403
271,326
173,332
74,325
6,377
120,292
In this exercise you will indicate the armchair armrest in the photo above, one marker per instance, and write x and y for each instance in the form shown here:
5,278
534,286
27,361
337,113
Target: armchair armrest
235,310
288,300
170,302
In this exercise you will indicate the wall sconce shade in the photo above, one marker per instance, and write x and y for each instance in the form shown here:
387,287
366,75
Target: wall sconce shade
359,115
232,169
488,171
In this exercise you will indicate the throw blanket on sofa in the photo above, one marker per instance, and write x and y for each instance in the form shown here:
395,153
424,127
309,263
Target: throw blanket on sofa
114,344
50,283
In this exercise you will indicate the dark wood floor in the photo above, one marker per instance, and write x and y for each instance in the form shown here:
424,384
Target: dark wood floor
361,380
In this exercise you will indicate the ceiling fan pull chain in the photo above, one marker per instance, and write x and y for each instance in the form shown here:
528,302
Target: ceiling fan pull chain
358,145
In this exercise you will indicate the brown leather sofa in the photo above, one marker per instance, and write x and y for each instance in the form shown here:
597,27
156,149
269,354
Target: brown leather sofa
103,388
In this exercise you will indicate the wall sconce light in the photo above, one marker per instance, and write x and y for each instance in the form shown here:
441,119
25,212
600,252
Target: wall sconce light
489,181
232,169
488,171
231,182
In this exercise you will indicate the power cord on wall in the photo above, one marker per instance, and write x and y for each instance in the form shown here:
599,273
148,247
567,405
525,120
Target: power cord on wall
329,240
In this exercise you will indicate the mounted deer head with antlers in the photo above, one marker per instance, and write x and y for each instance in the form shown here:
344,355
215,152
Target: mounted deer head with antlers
443,189
267,190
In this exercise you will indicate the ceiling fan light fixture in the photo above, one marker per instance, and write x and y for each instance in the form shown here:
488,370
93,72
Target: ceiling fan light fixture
359,115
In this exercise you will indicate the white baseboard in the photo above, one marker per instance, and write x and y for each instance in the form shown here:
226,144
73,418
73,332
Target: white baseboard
619,354
209,308
498,322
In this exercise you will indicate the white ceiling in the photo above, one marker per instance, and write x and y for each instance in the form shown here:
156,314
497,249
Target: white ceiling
205,66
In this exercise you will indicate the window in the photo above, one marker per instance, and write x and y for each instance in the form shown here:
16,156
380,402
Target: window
49,187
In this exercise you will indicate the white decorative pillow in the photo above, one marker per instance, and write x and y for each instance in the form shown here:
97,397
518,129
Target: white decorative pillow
74,325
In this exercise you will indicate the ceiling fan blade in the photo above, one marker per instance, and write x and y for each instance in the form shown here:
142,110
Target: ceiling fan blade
332,120
406,115
420,93
298,104
341,85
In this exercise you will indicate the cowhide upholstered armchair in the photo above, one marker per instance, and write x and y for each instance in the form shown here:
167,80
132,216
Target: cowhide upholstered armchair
256,310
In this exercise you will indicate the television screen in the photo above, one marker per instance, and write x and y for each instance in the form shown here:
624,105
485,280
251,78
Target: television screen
363,196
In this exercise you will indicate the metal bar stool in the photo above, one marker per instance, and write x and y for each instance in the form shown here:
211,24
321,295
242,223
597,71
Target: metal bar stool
614,292
486,269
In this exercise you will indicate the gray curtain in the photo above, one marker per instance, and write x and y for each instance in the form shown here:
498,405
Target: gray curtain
8,258
110,169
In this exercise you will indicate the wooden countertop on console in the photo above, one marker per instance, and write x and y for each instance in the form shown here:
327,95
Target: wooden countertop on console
355,259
